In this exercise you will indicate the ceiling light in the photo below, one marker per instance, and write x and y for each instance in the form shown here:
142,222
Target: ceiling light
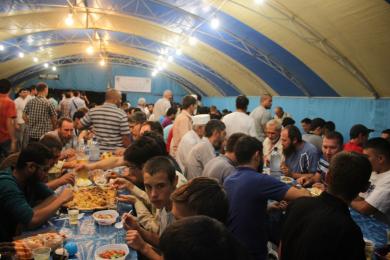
69,20
90,50
170,58
214,23
54,68
30,40
35,59
46,65
259,2
178,52
102,63
154,73
164,65
41,48
21,55
192,40
2,48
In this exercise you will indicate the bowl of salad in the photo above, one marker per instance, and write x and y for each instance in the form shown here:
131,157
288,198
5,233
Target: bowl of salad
112,251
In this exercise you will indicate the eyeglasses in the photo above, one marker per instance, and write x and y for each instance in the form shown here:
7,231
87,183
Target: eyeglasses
43,168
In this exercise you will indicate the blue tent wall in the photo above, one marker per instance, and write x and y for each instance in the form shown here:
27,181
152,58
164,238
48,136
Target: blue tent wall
344,112
93,78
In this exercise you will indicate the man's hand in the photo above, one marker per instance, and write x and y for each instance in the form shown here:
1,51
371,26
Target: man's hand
68,153
285,170
319,186
68,178
282,205
135,241
122,183
130,222
81,167
127,199
66,195
304,181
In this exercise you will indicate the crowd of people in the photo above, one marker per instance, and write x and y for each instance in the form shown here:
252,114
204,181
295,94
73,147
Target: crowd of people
195,175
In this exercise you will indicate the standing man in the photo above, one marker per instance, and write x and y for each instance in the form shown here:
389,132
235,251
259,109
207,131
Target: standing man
183,123
262,115
358,137
109,122
280,114
76,103
65,104
322,228
203,152
20,103
39,114
7,124
239,121
161,106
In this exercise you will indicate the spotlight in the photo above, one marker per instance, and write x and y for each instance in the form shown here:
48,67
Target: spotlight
69,20
35,59
214,23
90,50
2,48
193,41
54,68
21,55
46,65
102,62
178,52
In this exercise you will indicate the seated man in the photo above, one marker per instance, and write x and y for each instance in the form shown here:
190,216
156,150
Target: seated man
331,145
316,131
272,131
25,201
321,228
306,125
203,152
376,200
223,165
200,196
200,238
386,134
160,181
64,131
358,137
135,123
300,157
248,192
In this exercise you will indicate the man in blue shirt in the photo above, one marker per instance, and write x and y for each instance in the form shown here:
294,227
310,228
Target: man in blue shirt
248,192
25,201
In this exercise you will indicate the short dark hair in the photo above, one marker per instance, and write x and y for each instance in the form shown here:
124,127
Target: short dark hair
76,93
317,122
232,140
155,126
214,125
142,150
138,117
287,121
159,164
349,173
158,138
294,133
68,94
33,152
78,115
242,102
203,196
62,120
200,237
386,131
380,145
41,86
188,101
32,87
5,86
330,126
51,142
358,129
334,135
306,120
172,111
246,147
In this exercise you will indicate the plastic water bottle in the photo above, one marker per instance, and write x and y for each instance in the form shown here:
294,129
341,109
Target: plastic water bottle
275,160
94,151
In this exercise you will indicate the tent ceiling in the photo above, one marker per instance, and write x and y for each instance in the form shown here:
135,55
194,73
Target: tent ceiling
292,48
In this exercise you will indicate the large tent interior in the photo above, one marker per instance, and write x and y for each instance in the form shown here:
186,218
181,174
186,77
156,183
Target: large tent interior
327,59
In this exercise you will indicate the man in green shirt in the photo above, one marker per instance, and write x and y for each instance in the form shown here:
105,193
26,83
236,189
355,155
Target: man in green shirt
25,201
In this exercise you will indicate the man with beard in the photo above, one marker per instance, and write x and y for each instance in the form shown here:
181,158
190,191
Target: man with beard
331,145
203,152
25,201
272,141
300,157
109,122
64,131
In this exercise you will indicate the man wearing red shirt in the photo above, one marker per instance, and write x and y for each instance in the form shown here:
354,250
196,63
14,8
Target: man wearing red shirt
358,137
7,116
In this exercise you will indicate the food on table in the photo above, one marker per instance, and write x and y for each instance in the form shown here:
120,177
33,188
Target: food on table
93,198
112,254
82,182
33,242
106,155
104,216
52,240
315,191
286,179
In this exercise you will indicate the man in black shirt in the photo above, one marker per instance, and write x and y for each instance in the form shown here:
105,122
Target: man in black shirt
322,228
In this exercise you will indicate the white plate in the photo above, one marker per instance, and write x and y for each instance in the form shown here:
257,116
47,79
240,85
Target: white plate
104,248
105,221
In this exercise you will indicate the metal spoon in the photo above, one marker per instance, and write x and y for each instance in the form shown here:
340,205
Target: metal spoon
119,225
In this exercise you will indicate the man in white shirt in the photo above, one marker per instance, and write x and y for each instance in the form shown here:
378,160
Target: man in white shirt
191,138
239,121
203,152
272,130
376,200
20,103
141,104
280,114
162,105
262,115
76,103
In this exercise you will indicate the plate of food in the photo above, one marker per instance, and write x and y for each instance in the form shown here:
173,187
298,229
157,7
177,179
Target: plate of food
315,191
83,182
112,251
287,180
93,198
105,217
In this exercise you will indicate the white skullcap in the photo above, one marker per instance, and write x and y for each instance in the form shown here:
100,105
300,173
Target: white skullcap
200,119
141,101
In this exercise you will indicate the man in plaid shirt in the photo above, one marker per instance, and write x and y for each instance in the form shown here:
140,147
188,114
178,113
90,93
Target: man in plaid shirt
39,114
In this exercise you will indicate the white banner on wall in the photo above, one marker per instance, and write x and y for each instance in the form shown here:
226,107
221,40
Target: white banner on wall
133,84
